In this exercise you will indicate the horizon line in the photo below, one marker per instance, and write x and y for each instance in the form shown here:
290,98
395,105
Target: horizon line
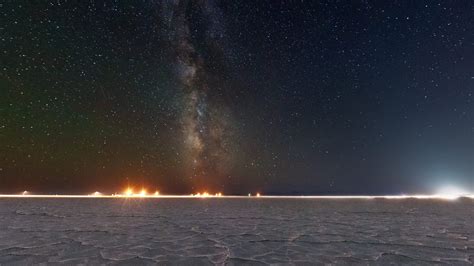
200,196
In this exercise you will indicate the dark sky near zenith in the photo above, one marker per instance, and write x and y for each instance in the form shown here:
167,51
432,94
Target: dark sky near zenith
282,97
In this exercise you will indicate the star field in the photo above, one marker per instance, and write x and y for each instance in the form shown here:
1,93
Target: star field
298,97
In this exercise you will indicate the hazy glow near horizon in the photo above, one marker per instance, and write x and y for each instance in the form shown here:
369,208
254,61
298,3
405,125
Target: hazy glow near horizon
446,193
451,191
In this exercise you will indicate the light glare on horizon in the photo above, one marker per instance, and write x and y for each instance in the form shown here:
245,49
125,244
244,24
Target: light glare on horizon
451,192
444,193
128,194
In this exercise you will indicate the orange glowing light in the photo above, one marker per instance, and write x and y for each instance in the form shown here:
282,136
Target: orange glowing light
157,193
142,193
128,192
206,194
258,194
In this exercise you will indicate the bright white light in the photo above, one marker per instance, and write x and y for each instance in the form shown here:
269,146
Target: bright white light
451,192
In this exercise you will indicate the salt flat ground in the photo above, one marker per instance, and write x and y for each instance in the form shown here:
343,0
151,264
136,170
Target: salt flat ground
236,231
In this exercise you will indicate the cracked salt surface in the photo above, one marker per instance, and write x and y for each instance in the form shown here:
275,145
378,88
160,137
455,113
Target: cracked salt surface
236,231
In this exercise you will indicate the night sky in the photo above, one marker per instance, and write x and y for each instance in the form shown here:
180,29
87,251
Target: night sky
298,97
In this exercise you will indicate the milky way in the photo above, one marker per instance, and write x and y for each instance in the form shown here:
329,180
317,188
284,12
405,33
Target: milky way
279,97
196,35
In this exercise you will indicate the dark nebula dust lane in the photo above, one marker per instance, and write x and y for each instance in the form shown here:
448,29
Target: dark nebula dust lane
196,38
